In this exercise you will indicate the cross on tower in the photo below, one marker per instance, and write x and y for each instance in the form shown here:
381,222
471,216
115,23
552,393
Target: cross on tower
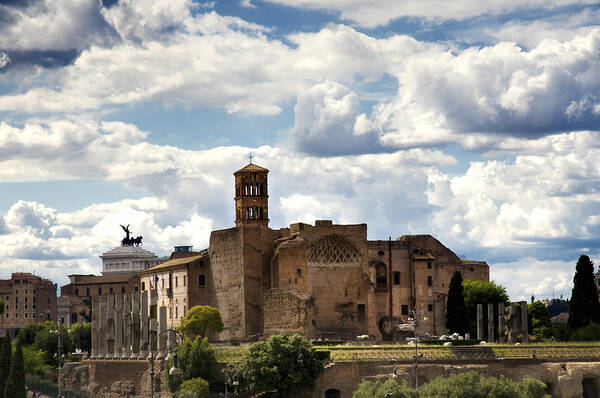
250,157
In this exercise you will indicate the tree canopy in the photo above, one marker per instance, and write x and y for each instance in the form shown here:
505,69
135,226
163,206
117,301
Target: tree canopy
5,359
456,318
281,365
15,384
196,359
481,292
539,320
200,318
584,306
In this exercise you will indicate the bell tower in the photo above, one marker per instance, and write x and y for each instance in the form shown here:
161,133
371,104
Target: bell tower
251,195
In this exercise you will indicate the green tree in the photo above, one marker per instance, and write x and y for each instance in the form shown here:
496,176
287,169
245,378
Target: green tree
591,332
194,388
81,334
15,384
46,339
558,306
539,320
380,389
27,335
473,385
281,365
200,318
583,306
35,361
481,292
456,318
5,361
196,359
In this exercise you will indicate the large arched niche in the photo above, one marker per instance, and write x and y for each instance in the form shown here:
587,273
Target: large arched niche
333,393
333,249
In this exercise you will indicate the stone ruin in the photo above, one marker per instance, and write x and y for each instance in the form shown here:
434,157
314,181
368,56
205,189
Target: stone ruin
511,326
124,326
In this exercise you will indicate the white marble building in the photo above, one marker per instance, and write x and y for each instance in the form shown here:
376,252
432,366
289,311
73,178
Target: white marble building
128,259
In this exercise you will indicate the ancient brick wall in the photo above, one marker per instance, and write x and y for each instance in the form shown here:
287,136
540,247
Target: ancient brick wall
288,311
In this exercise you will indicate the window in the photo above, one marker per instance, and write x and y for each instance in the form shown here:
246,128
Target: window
25,306
110,289
48,316
87,291
428,264
429,307
25,291
396,277
184,278
99,291
33,291
16,299
143,286
429,280
33,315
77,292
184,309
48,299
135,288
381,252
404,309
26,299
361,312
176,285
298,272
34,299
176,312
33,307
201,280
122,289
16,314
16,291
25,315
381,276
163,283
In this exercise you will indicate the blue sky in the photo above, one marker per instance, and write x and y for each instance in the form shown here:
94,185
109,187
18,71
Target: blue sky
477,123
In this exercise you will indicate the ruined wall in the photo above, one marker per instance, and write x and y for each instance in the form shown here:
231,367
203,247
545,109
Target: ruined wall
288,311
227,284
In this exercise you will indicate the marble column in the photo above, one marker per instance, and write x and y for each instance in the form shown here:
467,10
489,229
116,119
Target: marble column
162,325
479,321
144,343
126,326
512,330
102,329
490,320
153,322
95,327
110,326
118,326
524,323
501,337
135,326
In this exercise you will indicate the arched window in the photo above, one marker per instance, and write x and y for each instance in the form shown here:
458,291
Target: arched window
381,276
73,317
333,393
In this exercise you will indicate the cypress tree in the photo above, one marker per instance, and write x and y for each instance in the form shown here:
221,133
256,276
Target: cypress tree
584,306
15,384
456,318
5,356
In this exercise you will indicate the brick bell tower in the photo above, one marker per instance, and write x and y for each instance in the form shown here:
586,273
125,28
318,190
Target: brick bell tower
251,195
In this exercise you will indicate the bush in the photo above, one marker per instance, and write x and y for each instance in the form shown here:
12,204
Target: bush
196,359
35,362
199,319
561,331
194,388
590,332
373,389
282,365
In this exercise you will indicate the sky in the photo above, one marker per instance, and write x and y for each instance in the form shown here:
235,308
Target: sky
475,122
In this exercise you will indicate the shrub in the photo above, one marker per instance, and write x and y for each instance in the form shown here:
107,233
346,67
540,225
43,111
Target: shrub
373,389
196,359
194,388
590,332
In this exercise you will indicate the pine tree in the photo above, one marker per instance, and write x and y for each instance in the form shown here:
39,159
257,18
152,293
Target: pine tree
5,356
456,318
15,384
584,306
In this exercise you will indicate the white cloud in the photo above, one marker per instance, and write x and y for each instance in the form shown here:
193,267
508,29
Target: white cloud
380,12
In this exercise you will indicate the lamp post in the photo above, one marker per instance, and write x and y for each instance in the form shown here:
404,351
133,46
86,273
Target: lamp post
234,384
174,369
417,356
59,354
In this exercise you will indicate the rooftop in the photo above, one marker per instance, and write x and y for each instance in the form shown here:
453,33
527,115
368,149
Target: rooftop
129,251
176,262
251,167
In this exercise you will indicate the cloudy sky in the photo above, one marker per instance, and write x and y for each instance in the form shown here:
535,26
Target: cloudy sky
476,122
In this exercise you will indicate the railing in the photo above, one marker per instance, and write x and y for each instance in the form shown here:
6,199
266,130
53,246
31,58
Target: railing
50,389
538,352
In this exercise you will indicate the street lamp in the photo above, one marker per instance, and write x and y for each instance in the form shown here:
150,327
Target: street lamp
174,369
415,319
234,384
59,355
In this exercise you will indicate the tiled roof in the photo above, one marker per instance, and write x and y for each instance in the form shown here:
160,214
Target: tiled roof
172,263
251,167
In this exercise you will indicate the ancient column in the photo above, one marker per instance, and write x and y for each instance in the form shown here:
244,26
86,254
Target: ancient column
501,337
144,343
479,321
102,329
162,325
110,326
524,323
153,322
490,310
135,326
118,326
126,326
95,327
512,329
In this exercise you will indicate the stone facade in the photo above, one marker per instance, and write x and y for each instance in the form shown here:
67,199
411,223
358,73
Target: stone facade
128,259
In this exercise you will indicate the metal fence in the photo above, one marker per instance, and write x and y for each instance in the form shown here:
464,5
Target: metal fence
48,388
540,352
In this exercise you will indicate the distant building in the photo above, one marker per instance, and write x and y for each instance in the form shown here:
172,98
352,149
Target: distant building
128,259
28,299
